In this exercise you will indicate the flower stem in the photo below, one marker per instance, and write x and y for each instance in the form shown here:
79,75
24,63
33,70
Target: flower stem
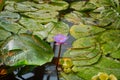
60,46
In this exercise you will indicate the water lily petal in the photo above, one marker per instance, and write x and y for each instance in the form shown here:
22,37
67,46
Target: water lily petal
60,39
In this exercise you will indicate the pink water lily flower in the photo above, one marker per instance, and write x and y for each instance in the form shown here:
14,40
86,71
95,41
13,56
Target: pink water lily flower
60,39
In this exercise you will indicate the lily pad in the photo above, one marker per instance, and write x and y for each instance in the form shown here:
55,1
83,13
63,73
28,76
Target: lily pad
115,54
11,27
87,62
31,24
20,7
82,30
111,48
26,50
4,35
42,14
53,5
82,53
10,6
110,35
84,42
83,6
69,76
74,17
105,64
9,16
54,28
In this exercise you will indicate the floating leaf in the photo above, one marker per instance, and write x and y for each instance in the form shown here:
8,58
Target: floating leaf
110,35
42,14
104,65
10,6
26,50
110,47
87,62
74,17
9,16
53,5
54,28
31,24
82,30
115,54
22,7
4,35
84,42
83,6
11,27
69,76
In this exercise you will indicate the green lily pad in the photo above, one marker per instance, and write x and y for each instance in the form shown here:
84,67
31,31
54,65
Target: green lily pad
82,30
26,50
42,14
4,35
82,53
22,7
11,27
105,64
110,35
53,5
31,24
69,76
114,25
87,62
83,6
10,6
9,16
111,48
115,54
54,28
84,42
74,17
